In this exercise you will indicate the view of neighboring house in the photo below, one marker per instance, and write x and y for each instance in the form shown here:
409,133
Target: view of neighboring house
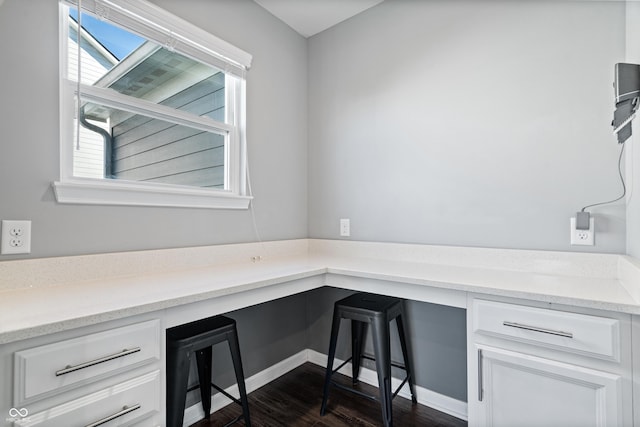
119,144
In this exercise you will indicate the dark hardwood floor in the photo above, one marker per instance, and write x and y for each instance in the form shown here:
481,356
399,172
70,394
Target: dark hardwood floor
295,398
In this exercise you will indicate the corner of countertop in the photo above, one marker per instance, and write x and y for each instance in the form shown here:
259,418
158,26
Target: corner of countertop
629,275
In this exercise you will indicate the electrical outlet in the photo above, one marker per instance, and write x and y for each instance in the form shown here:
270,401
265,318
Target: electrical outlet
345,227
16,237
582,237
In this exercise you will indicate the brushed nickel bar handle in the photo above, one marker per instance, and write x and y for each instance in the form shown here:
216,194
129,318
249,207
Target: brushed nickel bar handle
70,368
538,329
125,411
480,396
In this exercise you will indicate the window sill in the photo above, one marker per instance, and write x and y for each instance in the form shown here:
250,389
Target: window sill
127,193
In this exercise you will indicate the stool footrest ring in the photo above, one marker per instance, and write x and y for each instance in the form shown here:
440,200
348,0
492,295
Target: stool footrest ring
394,364
365,356
226,394
341,365
400,386
353,390
368,396
195,387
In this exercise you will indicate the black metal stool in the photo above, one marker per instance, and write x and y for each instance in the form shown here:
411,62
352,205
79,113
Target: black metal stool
198,337
376,310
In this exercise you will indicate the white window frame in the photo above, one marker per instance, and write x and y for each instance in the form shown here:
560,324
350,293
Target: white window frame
160,26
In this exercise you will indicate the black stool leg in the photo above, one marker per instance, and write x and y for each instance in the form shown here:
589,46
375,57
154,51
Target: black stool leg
382,347
178,362
234,347
358,336
335,327
203,359
407,356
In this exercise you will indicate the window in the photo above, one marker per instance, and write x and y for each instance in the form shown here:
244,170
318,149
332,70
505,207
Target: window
152,109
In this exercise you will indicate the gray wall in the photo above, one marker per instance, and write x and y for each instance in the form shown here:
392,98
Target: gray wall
466,123
458,123
463,123
29,153
632,151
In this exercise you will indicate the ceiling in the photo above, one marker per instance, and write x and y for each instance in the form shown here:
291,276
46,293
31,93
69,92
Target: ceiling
309,17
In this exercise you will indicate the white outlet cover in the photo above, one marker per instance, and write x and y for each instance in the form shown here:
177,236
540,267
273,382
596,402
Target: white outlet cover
583,237
345,227
16,237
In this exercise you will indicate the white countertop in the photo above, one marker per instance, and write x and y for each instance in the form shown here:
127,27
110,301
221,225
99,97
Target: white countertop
42,296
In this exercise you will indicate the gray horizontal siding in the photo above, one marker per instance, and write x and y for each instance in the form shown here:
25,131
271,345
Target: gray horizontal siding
162,171
195,177
199,142
146,149
158,134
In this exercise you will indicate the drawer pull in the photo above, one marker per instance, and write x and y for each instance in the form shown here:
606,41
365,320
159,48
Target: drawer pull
70,368
538,329
125,411
480,376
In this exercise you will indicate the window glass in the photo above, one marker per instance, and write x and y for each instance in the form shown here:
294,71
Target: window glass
153,150
122,143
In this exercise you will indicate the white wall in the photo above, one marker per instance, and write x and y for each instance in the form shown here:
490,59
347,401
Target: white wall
479,123
29,153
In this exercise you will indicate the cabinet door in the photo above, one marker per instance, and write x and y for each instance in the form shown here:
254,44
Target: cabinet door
516,389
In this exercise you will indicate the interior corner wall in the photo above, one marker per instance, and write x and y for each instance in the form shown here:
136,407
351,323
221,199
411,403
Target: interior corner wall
29,151
473,123
632,152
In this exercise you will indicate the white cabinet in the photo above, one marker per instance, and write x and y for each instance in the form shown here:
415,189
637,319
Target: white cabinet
126,403
593,336
110,376
535,366
517,389
49,369
636,368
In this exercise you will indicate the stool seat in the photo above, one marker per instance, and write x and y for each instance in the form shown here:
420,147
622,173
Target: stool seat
370,305
198,338
200,333
366,309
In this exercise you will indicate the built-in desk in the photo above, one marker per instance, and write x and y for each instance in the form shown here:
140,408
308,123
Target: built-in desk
58,295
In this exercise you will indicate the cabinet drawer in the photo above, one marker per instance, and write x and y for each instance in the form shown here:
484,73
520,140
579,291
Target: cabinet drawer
119,405
42,371
577,333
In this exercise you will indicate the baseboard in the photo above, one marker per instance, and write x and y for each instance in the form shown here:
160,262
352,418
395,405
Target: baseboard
425,397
